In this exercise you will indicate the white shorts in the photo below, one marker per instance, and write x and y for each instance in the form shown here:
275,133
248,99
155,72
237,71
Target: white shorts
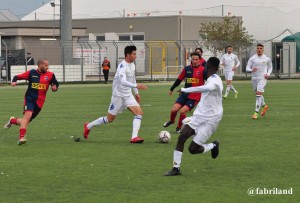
119,104
203,128
259,85
229,75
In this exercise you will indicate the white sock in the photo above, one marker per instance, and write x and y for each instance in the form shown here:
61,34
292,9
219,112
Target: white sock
227,90
208,147
136,124
263,101
258,103
97,122
232,88
177,158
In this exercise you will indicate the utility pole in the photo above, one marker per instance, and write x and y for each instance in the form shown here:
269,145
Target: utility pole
66,31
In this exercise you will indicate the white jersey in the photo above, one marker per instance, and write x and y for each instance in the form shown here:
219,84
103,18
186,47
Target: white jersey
229,61
124,80
263,63
210,106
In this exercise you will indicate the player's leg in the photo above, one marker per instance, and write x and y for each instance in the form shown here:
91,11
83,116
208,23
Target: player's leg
254,87
261,88
231,86
136,123
24,121
116,106
228,83
185,133
176,107
10,122
189,105
203,133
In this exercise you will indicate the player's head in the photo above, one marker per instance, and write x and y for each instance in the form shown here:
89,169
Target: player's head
259,49
130,53
43,65
195,56
229,49
199,50
213,65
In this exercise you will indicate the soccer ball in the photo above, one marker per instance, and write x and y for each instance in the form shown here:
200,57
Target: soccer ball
164,136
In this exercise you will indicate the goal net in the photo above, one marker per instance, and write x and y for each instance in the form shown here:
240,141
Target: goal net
168,72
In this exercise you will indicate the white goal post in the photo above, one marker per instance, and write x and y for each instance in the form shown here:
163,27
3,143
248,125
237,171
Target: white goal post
168,72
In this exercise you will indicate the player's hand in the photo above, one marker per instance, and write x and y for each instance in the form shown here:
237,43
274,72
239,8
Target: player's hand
254,69
54,88
179,92
266,76
141,86
13,84
170,93
233,68
138,98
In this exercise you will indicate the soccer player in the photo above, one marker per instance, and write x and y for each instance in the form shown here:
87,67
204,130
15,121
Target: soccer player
261,68
202,60
35,96
194,75
205,119
123,84
230,62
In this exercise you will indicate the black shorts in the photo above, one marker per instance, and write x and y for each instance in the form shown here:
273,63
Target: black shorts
184,100
30,105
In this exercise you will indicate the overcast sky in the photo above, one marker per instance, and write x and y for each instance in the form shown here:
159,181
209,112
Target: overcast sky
22,7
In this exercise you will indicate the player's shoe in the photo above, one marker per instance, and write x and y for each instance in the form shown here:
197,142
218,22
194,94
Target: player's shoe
224,96
174,172
236,94
264,111
86,131
137,139
8,124
178,130
254,116
168,123
215,150
22,141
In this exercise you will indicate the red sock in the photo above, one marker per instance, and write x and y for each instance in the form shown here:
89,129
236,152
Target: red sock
182,116
14,121
22,132
173,116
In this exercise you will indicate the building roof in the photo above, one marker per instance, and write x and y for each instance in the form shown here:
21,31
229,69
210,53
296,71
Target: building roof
7,16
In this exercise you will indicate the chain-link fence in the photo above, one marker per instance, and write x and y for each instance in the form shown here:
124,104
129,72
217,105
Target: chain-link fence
156,60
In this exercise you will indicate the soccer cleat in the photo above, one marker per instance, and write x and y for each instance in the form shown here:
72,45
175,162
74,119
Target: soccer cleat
137,139
236,94
254,116
86,131
22,141
264,111
166,124
174,172
178,130
225,97
8,124
215,150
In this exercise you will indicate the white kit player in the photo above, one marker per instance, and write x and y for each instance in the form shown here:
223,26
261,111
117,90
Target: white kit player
230,62
205,119
123,84
261,68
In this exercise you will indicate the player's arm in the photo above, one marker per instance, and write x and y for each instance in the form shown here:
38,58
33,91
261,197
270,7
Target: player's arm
237,63
204,88
177,81
54,83
22,76
126,83
249,65
269,69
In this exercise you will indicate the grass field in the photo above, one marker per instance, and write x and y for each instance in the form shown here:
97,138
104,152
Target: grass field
51,167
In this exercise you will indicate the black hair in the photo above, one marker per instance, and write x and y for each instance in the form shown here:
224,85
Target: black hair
213,63
129,50
228,46
195,54
259,45
200,49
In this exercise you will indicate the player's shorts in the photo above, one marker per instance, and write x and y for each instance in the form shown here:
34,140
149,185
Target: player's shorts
229,75
259,84
119,104
203,128
30,105
184,100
